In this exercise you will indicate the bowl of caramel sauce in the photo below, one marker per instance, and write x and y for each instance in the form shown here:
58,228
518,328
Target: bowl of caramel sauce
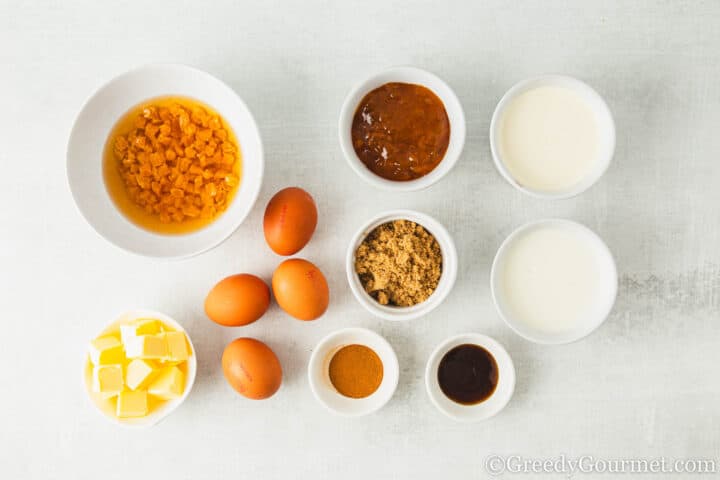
402,129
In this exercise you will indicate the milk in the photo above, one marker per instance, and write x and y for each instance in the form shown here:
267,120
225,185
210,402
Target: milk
555,278
550,138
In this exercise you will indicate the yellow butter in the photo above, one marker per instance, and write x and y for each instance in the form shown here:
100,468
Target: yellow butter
107,380
138,373
132,404
169,384
141,326
106,350
147,346
177,347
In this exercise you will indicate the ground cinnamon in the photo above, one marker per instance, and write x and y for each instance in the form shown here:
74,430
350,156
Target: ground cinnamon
356,371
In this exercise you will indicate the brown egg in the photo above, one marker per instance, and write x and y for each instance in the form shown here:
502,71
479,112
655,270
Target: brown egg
237,300
251,368
290,220
300,289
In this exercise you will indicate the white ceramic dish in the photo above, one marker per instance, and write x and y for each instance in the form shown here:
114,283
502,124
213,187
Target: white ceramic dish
413,75
447,279
166,408
604,306
324,390
605,121
90,133
485,409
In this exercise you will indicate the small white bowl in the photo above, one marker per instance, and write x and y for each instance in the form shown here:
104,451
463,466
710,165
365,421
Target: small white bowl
170,405
90,133
447,278
416,76
601,313
485,409
323,388
603,114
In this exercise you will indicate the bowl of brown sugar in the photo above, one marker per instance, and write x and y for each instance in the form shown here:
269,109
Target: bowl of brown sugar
401,264
402,129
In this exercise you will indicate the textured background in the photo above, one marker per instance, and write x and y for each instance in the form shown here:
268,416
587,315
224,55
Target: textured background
644,385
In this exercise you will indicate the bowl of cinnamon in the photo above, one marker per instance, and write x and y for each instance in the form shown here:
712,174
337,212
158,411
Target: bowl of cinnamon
353,372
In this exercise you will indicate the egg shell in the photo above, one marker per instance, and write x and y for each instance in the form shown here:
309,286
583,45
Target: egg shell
251,368
290,220
300,289
237,300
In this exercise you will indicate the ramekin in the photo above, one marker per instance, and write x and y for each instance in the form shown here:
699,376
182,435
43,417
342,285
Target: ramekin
416,76
168,406
610,292
447,278
323,388
485,409
601,109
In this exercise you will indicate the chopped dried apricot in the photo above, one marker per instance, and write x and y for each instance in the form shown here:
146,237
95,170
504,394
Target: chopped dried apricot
175,160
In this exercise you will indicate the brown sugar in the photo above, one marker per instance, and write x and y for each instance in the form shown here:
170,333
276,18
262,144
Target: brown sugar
399,263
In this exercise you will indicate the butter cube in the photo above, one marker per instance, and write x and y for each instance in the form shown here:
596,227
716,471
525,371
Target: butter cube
177,347
107,380
147,346
169,384
141,326
132,404
138,373
106,350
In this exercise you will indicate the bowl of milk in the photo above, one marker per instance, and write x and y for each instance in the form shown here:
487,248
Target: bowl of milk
552,136
554,281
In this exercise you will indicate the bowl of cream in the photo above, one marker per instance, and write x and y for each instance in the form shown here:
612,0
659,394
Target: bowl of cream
553,281
552,136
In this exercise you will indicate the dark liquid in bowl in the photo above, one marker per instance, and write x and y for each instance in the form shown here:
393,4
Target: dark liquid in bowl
468,374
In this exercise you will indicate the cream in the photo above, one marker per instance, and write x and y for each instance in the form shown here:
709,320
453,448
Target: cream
555,279
550,138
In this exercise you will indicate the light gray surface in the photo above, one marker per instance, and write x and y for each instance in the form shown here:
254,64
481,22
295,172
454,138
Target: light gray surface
644,385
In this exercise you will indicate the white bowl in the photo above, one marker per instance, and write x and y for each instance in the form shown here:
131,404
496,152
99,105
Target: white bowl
596,102
416,76
447,279
485,409
323,388
170,405
89,135
603,309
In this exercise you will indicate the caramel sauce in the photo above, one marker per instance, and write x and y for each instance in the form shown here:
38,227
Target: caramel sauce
400,131
468,374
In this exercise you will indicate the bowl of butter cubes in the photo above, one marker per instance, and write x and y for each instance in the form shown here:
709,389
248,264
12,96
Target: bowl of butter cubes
140,368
